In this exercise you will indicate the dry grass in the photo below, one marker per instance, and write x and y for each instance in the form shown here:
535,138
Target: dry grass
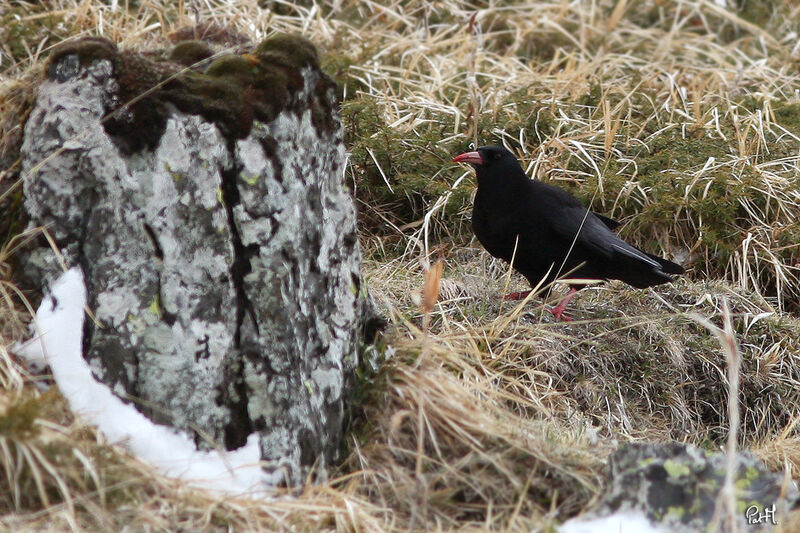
681,119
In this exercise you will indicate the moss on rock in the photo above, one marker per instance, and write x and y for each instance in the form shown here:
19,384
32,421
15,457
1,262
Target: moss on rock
233,90
85,51
295,50
191,52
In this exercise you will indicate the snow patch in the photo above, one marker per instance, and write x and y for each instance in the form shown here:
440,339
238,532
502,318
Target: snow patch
622,522
59,324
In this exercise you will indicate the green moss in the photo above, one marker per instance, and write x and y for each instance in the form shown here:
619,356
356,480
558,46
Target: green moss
522,112
398,177
337,66
241,68
263,89
191,52
232,92
788,116
87,49
296,50
18,421
24,26
219,100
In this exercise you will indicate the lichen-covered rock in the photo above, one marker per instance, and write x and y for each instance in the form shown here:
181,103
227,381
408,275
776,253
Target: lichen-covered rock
676,486
218,243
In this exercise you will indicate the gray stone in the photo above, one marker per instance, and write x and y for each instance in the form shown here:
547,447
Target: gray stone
676,486
218,245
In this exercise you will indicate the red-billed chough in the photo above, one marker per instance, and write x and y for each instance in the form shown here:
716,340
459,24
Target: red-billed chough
555,237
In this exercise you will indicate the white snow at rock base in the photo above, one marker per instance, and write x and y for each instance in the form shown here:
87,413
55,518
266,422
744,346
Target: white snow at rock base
58,343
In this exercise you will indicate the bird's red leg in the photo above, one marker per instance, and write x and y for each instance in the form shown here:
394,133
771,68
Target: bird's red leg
516,295
558,311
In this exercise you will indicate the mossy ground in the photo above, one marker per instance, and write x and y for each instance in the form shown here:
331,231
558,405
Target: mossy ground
681,120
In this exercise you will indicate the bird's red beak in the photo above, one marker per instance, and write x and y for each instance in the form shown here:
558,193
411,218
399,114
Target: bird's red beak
469,157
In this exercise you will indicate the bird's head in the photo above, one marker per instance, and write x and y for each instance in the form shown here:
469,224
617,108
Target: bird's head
485,156
495,161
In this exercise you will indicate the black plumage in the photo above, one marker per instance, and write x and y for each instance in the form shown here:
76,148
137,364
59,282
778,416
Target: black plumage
554,235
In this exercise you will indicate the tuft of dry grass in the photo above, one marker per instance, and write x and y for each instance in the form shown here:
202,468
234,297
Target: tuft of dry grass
682,119
634,365
445,443
646,342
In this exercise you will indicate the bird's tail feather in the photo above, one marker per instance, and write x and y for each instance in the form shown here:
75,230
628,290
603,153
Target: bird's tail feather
668,267
641,275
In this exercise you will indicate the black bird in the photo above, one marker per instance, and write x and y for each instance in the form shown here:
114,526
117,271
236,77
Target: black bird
549,234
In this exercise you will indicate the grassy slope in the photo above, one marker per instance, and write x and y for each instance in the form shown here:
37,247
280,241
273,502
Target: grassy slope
684,124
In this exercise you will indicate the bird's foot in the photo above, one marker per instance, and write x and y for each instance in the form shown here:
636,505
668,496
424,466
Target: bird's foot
516,295
559,313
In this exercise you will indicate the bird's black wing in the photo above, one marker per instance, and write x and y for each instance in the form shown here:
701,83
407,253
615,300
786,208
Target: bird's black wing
576,224
609,222
573,223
